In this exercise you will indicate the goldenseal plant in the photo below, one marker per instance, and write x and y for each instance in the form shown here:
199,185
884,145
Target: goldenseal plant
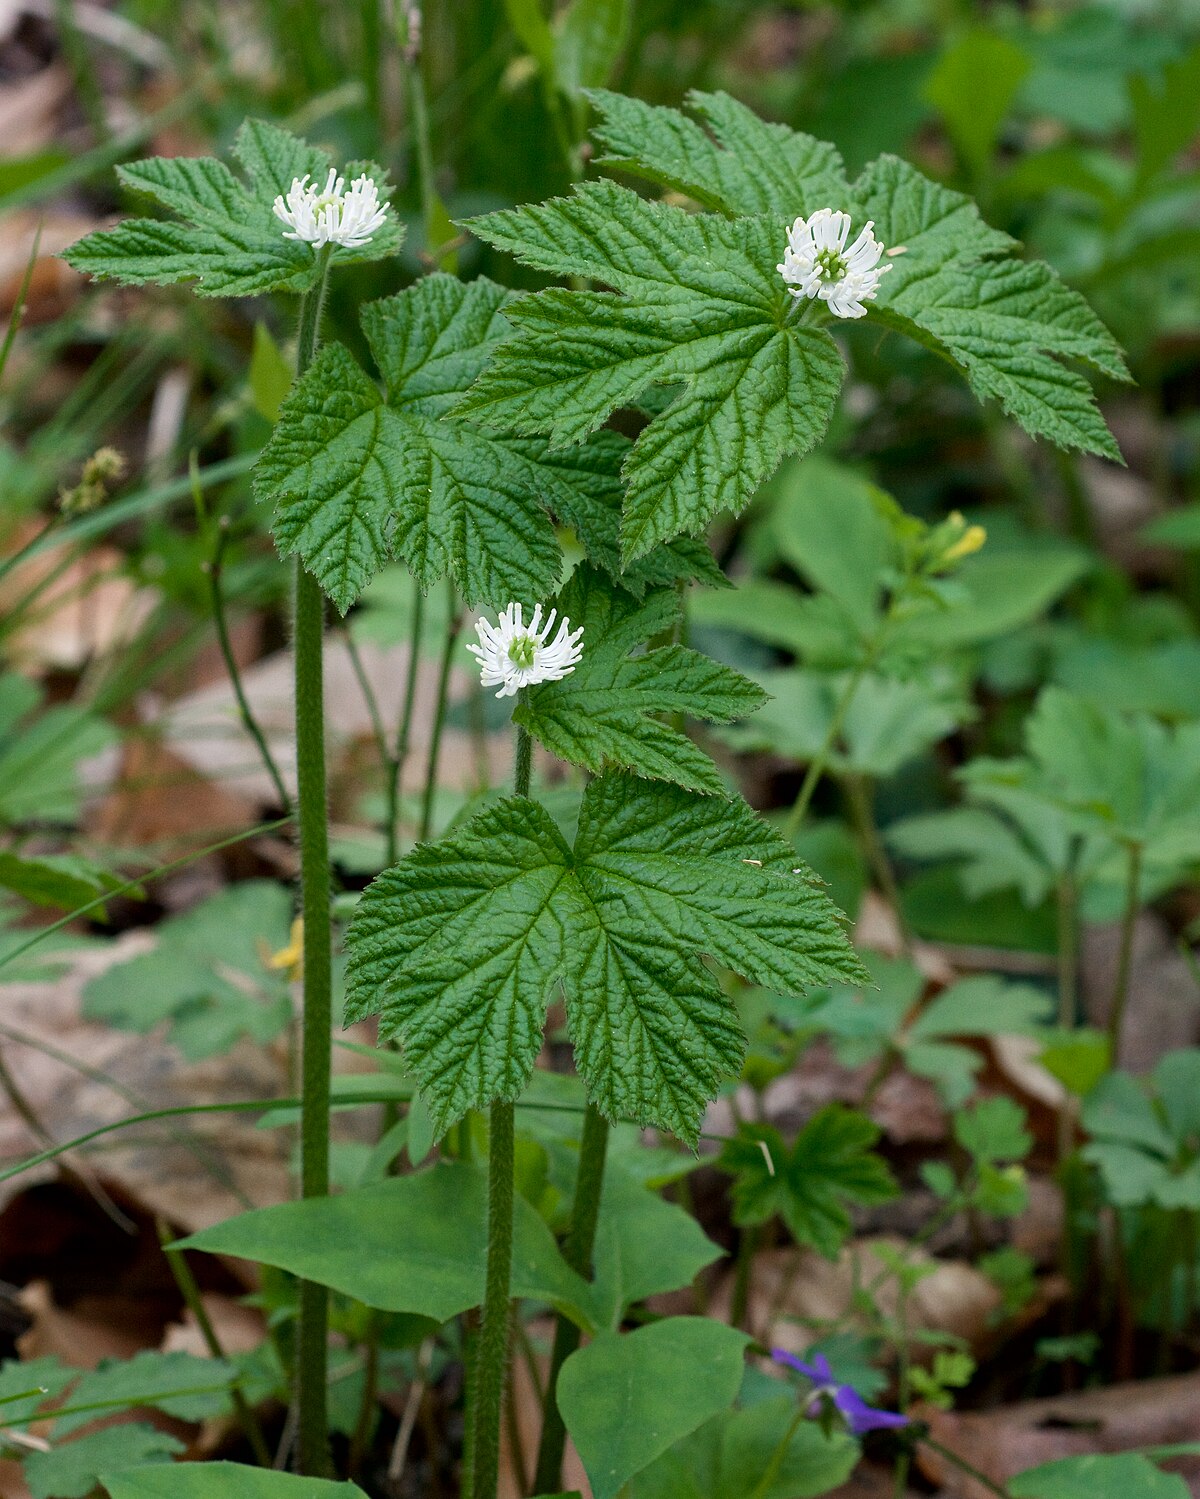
466,447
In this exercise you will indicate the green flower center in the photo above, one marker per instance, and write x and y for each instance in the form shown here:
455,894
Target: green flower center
520,652
830,265
326,200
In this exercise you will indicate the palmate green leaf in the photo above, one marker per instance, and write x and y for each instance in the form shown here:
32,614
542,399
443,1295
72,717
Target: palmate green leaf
226,239
71,1470
830,1164
359,475
745,167
207,975
459,946
590,501
701,305
602,714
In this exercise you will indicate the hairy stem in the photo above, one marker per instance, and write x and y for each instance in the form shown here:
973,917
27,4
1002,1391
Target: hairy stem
577,1251
491,1356
312,818
491,1352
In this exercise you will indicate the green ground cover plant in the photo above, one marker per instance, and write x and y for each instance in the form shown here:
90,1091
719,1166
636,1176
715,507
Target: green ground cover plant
728,453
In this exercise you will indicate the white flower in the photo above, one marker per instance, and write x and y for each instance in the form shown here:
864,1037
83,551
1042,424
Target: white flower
517,655
818,264
331,215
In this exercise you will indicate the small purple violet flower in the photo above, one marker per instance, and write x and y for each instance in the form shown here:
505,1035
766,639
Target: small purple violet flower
854,1410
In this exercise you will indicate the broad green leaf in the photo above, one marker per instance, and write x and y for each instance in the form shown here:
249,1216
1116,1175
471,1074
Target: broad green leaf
589,500
218,1480
829,1165
411,1244
62,880
973,88
1166,112
983,1005
1004,325
1122,1475
644,1247
226,239
19,1376
358,475
528,19
604,713
887,723
590,37
40,752
626,1398
71,1470
207,975
993,1130
729,1457
178,1384
700,305
271,375
989,854
460,945
745,167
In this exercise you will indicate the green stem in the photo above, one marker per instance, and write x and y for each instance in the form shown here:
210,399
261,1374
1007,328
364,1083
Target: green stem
190,1291
315,899
439,719
772,1470
969,1469
491,1353
577,1251
862,813
404,733
245,712
819,763
747,1245
1125,956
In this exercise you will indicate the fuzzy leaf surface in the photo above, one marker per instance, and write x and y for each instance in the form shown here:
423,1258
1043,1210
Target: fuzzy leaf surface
226,237
700,305
603,713
359,475
745,166
1005,325
459,946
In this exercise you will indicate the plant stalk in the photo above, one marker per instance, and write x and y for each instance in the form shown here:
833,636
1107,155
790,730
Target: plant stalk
577,1251
1125,957
491,1352
312,1330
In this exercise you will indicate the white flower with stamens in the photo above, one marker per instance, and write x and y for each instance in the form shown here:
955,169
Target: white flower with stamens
515,655
331,215
818,264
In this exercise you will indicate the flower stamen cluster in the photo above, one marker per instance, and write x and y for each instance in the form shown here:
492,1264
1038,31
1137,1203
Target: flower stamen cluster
817,263
331,215
512,654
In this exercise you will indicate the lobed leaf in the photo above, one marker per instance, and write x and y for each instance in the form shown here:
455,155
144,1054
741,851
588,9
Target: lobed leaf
227,238
603,713
459,946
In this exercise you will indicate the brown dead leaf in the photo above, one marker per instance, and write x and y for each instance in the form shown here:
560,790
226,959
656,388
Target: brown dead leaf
84,1335
793,1289
89,609
1004,1442
160,800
